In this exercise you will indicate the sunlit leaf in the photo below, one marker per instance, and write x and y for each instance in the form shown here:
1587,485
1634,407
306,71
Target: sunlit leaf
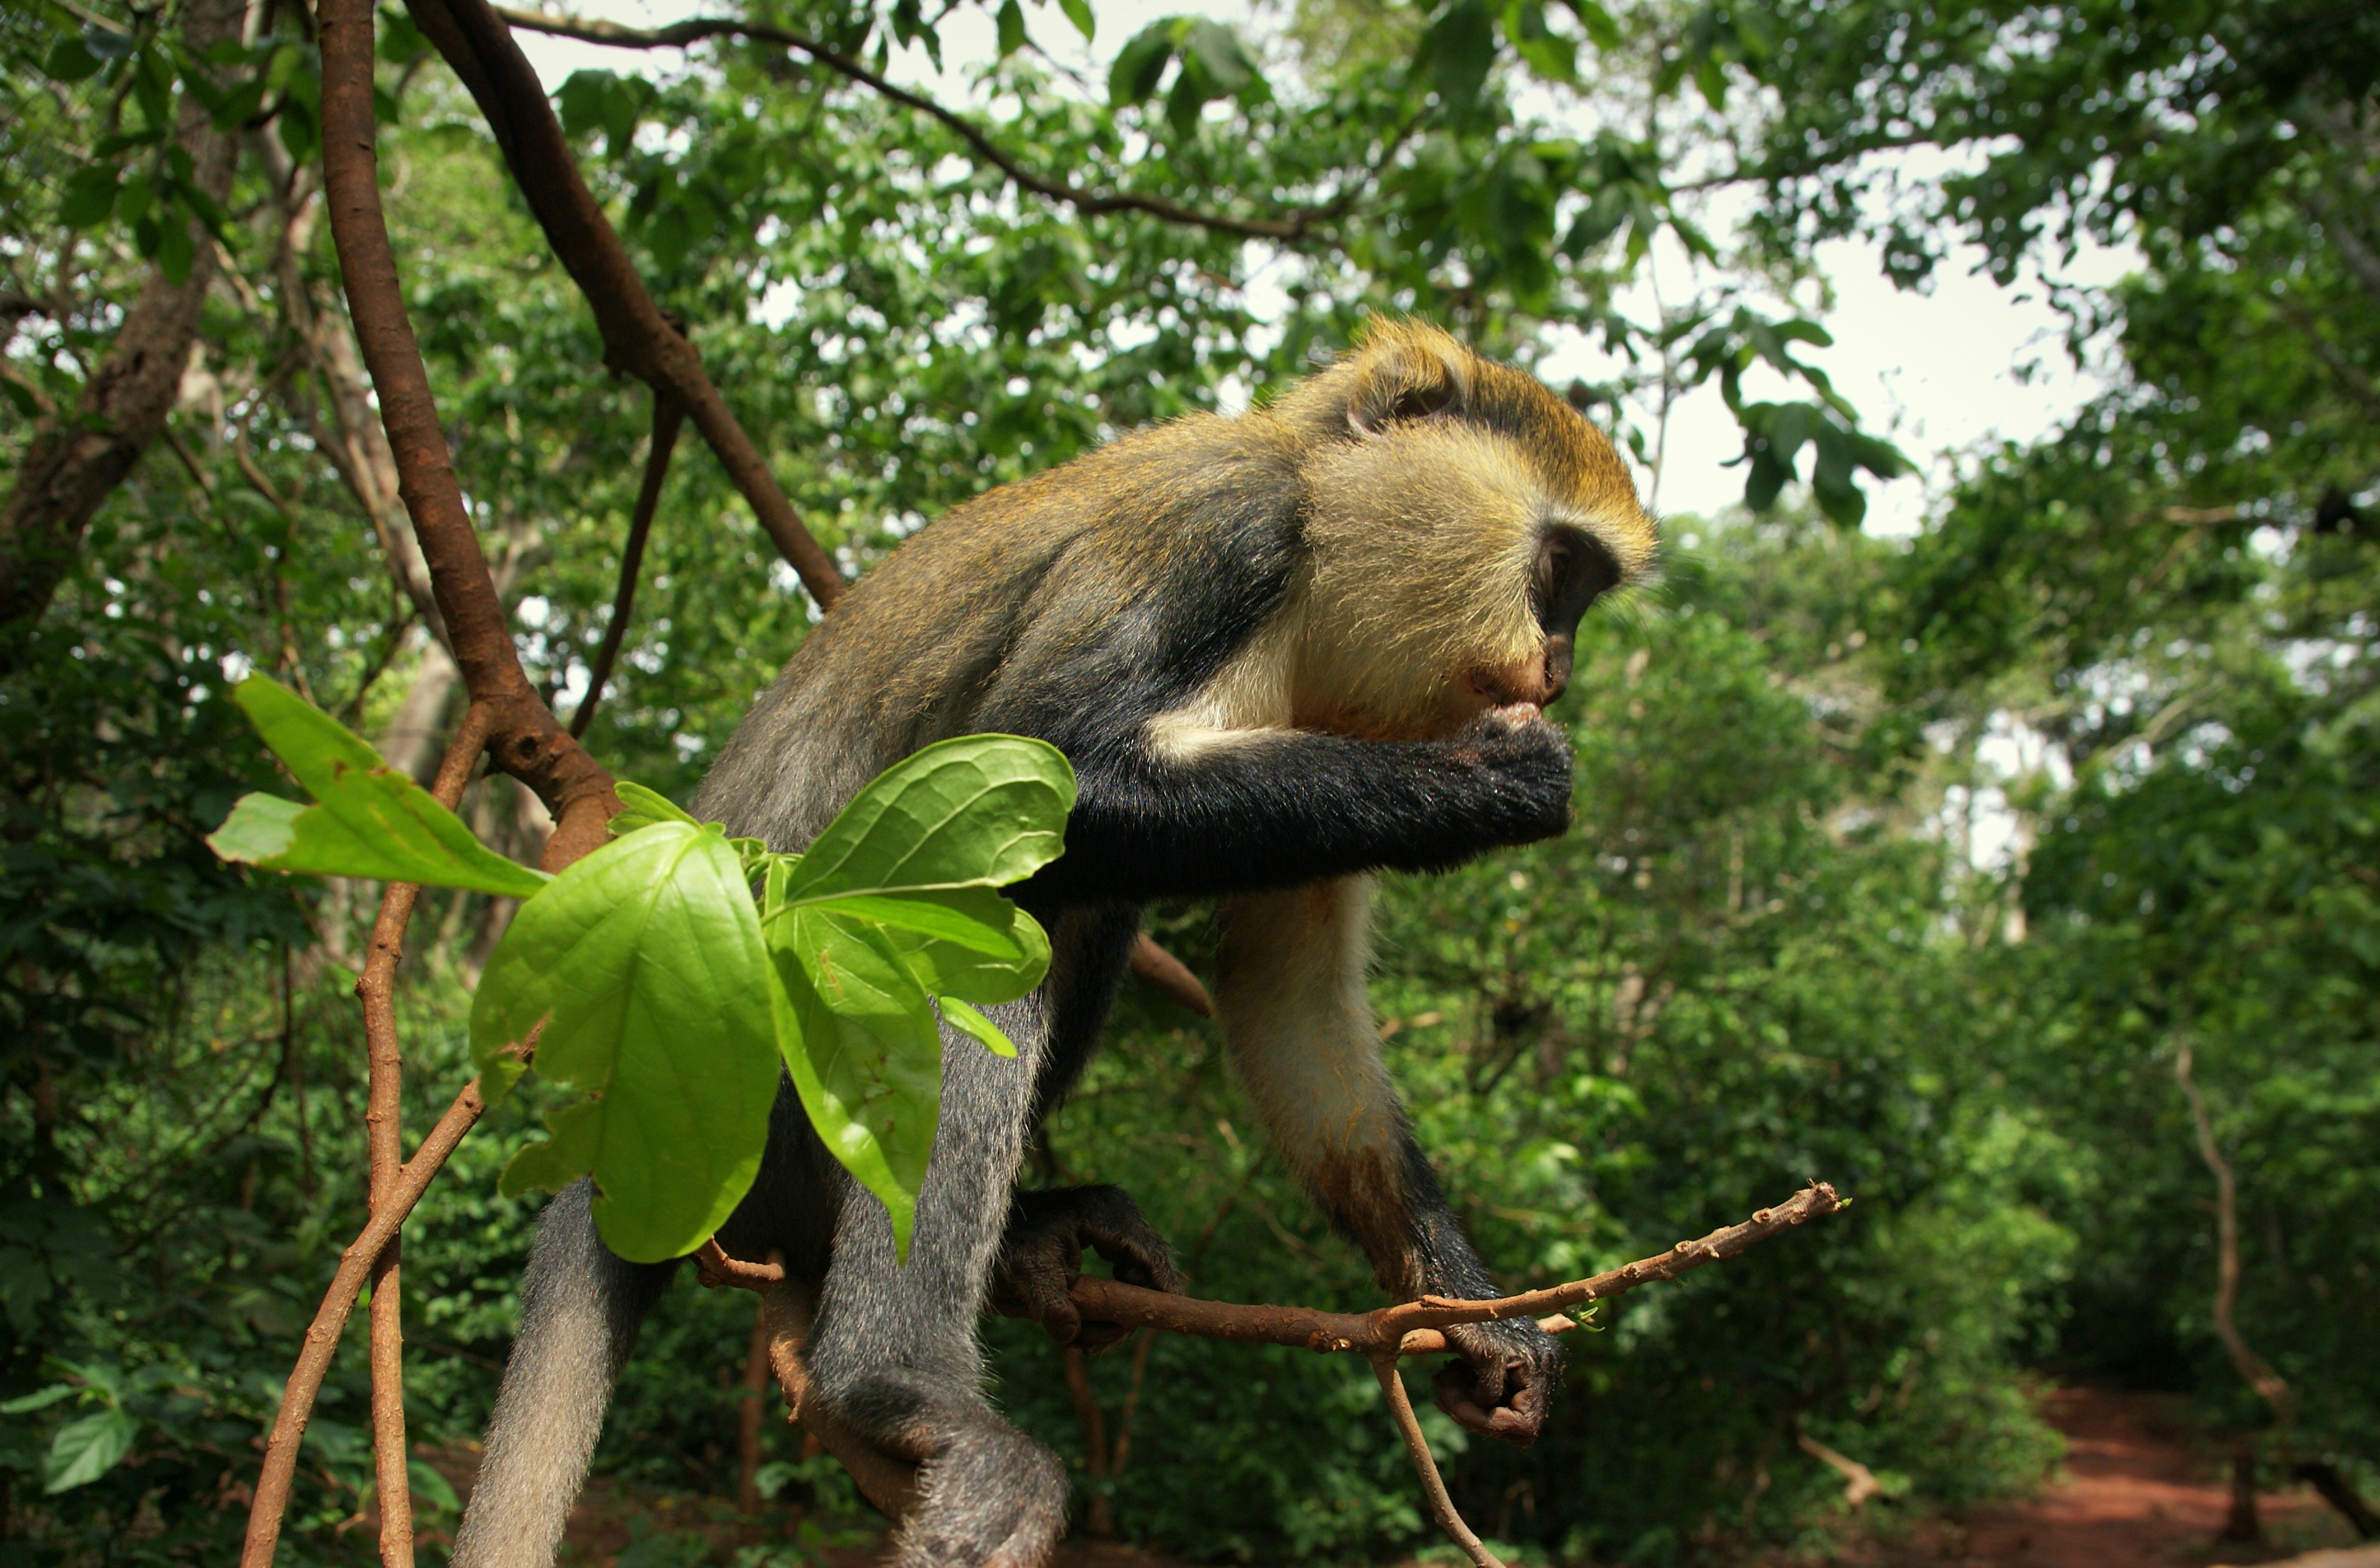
370,820
643,962
977,811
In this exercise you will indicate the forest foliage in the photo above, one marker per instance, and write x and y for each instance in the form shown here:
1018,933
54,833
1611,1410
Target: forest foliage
1782,942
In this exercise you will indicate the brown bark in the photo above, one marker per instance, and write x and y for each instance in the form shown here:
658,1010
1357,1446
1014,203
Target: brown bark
2253,1370
71,464
637,339
667,418
384,1136
525,739
322,1335
1169,976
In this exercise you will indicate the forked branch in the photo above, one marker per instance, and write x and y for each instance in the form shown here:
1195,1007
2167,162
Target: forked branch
1382,1337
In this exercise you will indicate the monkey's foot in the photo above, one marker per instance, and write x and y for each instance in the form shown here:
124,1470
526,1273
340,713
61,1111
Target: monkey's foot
1505,1381
1041,1256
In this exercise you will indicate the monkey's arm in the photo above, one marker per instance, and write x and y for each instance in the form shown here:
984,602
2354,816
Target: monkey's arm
1265,809
1303,1045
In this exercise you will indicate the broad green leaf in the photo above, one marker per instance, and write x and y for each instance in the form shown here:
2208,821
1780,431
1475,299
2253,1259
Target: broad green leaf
1460,47
1079,13
968,942
90,196
977,811
644,965
40,1399
1011,21
87,1448
641,807
1139,65
864,1047
958,1014
70,60
371,820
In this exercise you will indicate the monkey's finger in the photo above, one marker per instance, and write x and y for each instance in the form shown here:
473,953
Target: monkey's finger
1043,1284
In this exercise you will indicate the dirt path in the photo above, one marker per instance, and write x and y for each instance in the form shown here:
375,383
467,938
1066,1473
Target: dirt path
2142,1488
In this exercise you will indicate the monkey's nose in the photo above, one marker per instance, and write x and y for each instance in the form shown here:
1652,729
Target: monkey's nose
1558,650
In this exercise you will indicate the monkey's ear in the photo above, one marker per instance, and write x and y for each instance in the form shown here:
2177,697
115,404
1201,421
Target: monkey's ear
1403,377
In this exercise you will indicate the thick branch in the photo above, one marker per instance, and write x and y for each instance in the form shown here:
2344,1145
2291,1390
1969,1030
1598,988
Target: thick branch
1090,203
1169,976
525,739
637,337
71,465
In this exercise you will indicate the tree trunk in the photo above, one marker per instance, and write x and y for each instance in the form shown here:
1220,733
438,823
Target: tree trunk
73,462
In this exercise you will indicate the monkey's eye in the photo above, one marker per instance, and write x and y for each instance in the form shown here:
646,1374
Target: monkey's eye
1420,402
1573,571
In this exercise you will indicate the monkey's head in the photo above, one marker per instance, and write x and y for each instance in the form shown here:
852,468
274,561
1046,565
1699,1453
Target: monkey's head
1459,519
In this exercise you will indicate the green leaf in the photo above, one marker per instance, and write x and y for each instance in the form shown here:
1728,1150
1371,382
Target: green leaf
70,60
860,1038
968,942
1140,64
87,1448
90,196
644,963
960,1016
431,1488
40,1399
1011,21
981,810
1228,66
641,807
1460,47
372,821
1079,13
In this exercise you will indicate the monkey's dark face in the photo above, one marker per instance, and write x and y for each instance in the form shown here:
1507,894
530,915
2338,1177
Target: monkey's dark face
1460,520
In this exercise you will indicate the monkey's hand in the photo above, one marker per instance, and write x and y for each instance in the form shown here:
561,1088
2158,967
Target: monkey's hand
1520,764
1504,1382
1041,1256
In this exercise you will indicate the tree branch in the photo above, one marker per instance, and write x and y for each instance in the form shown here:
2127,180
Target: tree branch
384,1136
1414,1327
637,338
526,741
667,419
1089,203
322,1335
2253,1370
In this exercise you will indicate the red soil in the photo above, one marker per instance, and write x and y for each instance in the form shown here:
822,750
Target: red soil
2141,1488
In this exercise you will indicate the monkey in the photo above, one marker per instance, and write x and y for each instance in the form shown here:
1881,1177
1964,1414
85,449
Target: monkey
1284,652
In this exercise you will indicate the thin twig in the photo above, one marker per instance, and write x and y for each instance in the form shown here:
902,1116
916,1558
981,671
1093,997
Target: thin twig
384,1136
667,419
322,1335
1414,1327
1090,203
1433,1485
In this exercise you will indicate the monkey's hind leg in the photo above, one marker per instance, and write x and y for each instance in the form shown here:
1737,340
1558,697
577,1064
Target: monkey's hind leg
581,1305
895,1352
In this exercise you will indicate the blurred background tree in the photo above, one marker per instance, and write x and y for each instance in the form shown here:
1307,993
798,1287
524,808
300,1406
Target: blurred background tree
1779,942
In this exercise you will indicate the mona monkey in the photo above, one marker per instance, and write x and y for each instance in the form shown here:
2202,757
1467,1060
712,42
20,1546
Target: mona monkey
1283,652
